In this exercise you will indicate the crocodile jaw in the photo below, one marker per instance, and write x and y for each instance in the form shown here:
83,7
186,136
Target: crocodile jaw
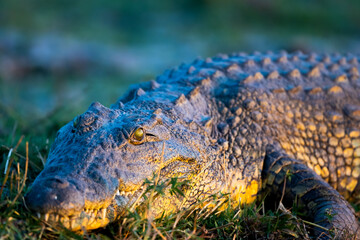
94,215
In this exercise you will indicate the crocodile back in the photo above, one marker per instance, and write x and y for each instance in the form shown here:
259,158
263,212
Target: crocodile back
308,103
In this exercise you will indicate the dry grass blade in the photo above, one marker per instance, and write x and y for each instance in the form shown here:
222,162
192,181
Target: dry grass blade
237,213
221,201
316,225
7,160
194,230
204,208
157,230
283,190
25,174
9,163
178,217
133,206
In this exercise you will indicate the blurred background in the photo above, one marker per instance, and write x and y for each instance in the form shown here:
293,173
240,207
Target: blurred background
56,57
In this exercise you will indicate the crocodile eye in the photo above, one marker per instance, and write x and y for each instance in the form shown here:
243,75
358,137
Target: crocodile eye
138,136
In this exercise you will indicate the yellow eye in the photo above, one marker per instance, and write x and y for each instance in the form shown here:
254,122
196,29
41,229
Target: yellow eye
139,134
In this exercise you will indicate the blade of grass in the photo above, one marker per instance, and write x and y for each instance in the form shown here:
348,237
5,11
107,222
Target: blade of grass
157,230
25,174
9,165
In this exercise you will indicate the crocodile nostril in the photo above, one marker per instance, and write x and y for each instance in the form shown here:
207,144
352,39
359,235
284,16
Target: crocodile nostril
59,183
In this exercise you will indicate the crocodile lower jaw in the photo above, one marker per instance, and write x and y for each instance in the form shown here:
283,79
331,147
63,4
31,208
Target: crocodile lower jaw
94,215
90,219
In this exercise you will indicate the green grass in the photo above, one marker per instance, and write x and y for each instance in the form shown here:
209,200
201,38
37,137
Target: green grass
197,222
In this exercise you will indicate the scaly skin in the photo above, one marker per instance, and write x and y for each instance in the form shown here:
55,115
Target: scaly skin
239,124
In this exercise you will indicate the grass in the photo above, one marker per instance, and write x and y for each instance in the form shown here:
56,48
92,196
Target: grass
197,222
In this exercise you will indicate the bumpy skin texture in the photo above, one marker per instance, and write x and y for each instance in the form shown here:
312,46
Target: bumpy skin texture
239,124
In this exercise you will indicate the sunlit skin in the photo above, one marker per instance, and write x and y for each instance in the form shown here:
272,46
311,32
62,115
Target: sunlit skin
277,125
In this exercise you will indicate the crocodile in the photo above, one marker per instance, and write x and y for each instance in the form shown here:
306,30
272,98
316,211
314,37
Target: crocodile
284,126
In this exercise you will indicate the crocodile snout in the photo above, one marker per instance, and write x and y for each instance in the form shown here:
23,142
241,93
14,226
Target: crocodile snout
55,195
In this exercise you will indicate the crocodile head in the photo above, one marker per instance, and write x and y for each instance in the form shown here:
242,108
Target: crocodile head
99,161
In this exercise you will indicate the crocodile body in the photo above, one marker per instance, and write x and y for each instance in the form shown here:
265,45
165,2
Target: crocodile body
235,124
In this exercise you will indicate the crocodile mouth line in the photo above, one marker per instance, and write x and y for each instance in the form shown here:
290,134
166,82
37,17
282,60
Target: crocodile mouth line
89,219
93,217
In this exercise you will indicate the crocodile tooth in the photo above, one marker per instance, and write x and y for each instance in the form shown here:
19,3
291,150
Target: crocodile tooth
103,213
95,212
65,221
117,193
46,217
84,221
52,217
72,223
